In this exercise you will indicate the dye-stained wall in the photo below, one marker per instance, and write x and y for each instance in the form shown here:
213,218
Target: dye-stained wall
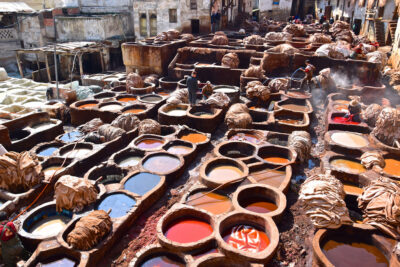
276,9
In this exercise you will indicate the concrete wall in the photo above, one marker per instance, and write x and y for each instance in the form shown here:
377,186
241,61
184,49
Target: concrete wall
35,4
395,57
278,12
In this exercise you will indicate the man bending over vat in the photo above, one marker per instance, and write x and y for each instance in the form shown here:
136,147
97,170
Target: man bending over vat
308,75
193,86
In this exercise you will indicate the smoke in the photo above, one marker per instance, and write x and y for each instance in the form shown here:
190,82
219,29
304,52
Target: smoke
342,79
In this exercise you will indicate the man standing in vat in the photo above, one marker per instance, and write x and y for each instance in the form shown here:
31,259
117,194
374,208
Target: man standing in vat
12,249
193,87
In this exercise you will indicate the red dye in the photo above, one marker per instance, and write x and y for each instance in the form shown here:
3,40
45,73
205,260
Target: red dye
247,238
188,230
345,120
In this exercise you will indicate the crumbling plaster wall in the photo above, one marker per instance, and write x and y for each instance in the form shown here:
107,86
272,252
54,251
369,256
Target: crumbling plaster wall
279,11
395,57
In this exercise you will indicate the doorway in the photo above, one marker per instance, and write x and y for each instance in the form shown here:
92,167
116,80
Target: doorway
195,23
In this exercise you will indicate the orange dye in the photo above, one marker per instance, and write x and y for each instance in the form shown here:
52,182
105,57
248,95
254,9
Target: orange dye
270,177
277,160
212,202
188,230
91,105
344,102
164,93
150,143
259,205
194,138
127,99
348,165
392,167
340,107
246,238
352,189
295,107
134,110
224,173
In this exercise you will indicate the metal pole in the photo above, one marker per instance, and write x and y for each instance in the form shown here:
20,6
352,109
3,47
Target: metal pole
55,58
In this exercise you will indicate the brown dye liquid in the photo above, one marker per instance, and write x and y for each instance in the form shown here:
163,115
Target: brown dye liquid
392,167
161,164
212,202
194,138
150,143
342,251
349,139
344,102
277,160
224,173
290,121
352,189
127,99
297,94
134,110
258,205
88,106
245,137
348,165
270,177
295,107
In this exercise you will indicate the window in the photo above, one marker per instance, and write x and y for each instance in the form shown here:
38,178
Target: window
338,2
193,4
348,4
173,18
153,25
143,25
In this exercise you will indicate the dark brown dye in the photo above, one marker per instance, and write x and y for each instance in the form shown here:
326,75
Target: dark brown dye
18,135
343,251
295,107
258,204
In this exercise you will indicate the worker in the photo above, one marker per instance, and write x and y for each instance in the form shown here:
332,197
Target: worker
207,90
354,113
325,27
357,52
308,74
331,20
11,246
193,87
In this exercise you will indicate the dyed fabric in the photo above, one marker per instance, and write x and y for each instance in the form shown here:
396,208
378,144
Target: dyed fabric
8,234
247,238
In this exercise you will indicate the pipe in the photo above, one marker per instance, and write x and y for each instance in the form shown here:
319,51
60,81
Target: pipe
55,58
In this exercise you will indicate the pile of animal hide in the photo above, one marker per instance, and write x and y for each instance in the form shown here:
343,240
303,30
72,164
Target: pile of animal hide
284,48
377,57
110,132
180,96
149,126
255,89
325,80
320,38
371,114
380,204
220,39
126,121
187,37
254,40
238,117
254,72
74,193
341,31
361,39
334,50
296,30
152,78
134,80
230,60
387,127
300,141
219,100
278,84
173,34
278,36
272,61
91,126
19,171
322,197
372,158
90,230
395,78
161,37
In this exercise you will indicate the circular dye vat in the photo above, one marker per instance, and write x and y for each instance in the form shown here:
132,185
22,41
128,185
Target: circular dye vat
345,120
245,137
161,163
246,238
130,161
47,151
87,106
348,165
349,139
352,189
71,136
64,262
127,99
120,204
194,138
48,223
295,107
177,112
52,170
392,167
179,150
142,183
212,202
258,205
344,251
111,107
151,98
277,160
77,153
150,143
224,173
163,260
225,90
134,110
270,177
203,114
188,230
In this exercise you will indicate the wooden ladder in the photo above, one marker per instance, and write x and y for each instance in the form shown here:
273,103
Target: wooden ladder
379,32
